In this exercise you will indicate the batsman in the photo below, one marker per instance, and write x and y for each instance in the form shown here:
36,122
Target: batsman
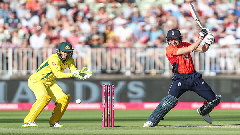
44,86
185,76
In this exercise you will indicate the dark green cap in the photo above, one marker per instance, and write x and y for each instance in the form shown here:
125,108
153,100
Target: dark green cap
65,47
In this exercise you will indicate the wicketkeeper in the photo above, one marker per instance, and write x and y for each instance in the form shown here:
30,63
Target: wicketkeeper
44,86
185,76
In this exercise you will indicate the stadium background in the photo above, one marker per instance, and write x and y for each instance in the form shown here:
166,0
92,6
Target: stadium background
134,87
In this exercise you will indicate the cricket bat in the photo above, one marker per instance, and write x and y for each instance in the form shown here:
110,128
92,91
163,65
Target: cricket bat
195,16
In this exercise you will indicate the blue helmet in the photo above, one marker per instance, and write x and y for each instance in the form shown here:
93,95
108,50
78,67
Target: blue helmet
174,33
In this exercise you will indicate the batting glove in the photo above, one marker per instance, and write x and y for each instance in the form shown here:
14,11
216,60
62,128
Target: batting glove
85,73
203,33
209,39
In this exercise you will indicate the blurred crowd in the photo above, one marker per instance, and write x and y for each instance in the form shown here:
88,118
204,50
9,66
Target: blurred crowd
45,23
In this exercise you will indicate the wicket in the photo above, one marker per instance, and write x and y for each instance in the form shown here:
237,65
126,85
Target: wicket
108,102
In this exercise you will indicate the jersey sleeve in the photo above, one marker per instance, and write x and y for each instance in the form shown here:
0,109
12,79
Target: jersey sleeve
72,65
171,51
55,66
186,44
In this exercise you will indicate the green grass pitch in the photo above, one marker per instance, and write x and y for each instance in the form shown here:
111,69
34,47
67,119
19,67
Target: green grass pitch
187,122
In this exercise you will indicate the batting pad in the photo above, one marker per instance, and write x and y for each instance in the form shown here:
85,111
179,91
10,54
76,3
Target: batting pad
208,107
162,109
60,108
37,108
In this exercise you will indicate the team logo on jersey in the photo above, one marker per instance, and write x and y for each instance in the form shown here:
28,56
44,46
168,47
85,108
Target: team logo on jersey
179,84
53,64
67,47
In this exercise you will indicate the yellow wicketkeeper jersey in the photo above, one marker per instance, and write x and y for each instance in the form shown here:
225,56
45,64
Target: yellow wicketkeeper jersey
53,68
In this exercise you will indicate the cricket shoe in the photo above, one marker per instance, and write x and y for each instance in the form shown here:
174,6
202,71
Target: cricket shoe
206,117
30,124
148,124
56,124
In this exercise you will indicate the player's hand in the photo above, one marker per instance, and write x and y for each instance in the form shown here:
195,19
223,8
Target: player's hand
76,73
85,73
203,33
209,39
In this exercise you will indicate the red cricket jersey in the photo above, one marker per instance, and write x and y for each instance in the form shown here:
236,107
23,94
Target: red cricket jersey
184,61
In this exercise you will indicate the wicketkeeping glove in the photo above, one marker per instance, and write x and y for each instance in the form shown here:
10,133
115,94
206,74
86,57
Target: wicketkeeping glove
203,33
209,39
85,73
76,73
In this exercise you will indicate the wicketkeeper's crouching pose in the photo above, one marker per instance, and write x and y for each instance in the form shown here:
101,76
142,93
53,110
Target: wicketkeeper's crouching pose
185,77
44,86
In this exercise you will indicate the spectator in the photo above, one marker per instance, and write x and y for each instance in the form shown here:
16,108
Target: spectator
109,33
204,7
131,24
102,14
37,40
153,18
16,40
112,55
83,24
115,9
170,22
111,18
30,20
48,44
73,38
7,10
171,6
12,21
229,20
83,51
221,9
122,33
64,6
21,10
33,5
185,6
95,42
51,10
47,48
141,33
96,32
236,8
1,9
155,33
65,27
118,20
127,12
136,16
43,19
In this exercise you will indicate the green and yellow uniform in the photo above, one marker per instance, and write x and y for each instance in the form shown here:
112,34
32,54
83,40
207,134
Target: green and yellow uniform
44,86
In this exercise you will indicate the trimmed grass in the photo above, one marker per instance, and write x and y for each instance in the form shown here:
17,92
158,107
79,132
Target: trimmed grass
186,122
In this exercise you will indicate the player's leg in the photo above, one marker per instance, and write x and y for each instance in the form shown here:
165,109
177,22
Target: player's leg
161,110
167,103
212,100
42,100
62,100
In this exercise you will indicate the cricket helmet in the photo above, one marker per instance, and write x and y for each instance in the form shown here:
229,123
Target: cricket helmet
65,47
174,33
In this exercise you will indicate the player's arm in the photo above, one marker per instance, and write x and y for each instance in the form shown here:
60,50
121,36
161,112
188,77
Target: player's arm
209,39
84,73
72,65
190,48
56,69
202,34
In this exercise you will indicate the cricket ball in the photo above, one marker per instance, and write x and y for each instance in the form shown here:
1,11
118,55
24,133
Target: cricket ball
78,101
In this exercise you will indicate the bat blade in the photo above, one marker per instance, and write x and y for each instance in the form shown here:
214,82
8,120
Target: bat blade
195,16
